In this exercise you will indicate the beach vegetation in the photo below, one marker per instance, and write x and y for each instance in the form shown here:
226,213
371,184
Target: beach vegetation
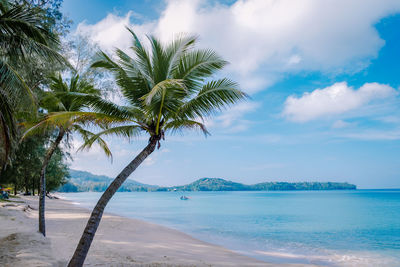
23,176
28,45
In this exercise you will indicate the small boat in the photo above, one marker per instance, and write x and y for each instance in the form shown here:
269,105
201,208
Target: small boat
184,198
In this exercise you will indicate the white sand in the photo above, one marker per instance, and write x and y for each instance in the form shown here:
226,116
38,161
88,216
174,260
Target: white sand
119,241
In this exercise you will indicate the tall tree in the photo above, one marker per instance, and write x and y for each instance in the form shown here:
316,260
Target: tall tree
63,99
81,50
28,158
169,88
23,35
57,171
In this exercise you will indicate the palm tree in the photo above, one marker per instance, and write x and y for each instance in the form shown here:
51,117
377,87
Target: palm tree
22,35
64,100
167,89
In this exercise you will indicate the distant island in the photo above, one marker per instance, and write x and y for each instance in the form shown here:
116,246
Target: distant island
82,181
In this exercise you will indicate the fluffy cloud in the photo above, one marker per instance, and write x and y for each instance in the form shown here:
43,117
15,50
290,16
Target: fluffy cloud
341,124
336,99
111,32
232,120
265,38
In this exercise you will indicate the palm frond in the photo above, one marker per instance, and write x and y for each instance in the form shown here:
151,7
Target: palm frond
102,60
176,49
87,135
127,131
10,80
68,119
159,60
143,60
23,34
57,83
20,19
52,102
213,97
22,48
196,66
68,97
131,81
100,105
160,88
184,124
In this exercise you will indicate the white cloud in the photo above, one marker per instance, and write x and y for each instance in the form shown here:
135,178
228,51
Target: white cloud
149,161
295,59
111,32
336,99
341,124
374,135
265,38
232,120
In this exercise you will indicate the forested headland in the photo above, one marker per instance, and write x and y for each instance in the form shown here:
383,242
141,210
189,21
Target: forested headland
82,181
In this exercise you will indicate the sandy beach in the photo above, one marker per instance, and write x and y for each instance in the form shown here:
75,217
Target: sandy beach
119,241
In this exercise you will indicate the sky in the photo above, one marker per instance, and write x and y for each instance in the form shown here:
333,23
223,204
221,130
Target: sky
323,79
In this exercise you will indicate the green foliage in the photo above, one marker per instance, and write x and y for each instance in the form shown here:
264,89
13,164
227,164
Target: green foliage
213,184
23,172
217,184
56,172
29,50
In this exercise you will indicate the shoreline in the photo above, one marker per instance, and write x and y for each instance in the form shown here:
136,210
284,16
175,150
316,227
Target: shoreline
119,241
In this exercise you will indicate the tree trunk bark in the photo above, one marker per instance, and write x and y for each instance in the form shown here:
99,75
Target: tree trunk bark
82,249
26,181
42,182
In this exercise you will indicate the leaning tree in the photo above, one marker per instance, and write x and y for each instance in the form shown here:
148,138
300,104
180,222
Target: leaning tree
166,89
66,105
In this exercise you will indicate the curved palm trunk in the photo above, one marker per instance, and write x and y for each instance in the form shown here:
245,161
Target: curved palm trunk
42,185
88,234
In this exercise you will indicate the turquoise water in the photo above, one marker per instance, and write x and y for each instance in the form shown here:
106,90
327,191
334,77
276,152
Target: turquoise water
333,228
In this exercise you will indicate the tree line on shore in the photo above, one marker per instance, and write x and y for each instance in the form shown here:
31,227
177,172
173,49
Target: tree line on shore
82,181
54,87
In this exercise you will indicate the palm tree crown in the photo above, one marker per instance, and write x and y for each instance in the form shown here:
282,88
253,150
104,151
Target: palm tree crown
67,109
168,88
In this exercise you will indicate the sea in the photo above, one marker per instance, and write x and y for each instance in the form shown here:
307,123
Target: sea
329,228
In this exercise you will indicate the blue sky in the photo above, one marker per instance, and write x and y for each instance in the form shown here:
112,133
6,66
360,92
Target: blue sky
323,79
